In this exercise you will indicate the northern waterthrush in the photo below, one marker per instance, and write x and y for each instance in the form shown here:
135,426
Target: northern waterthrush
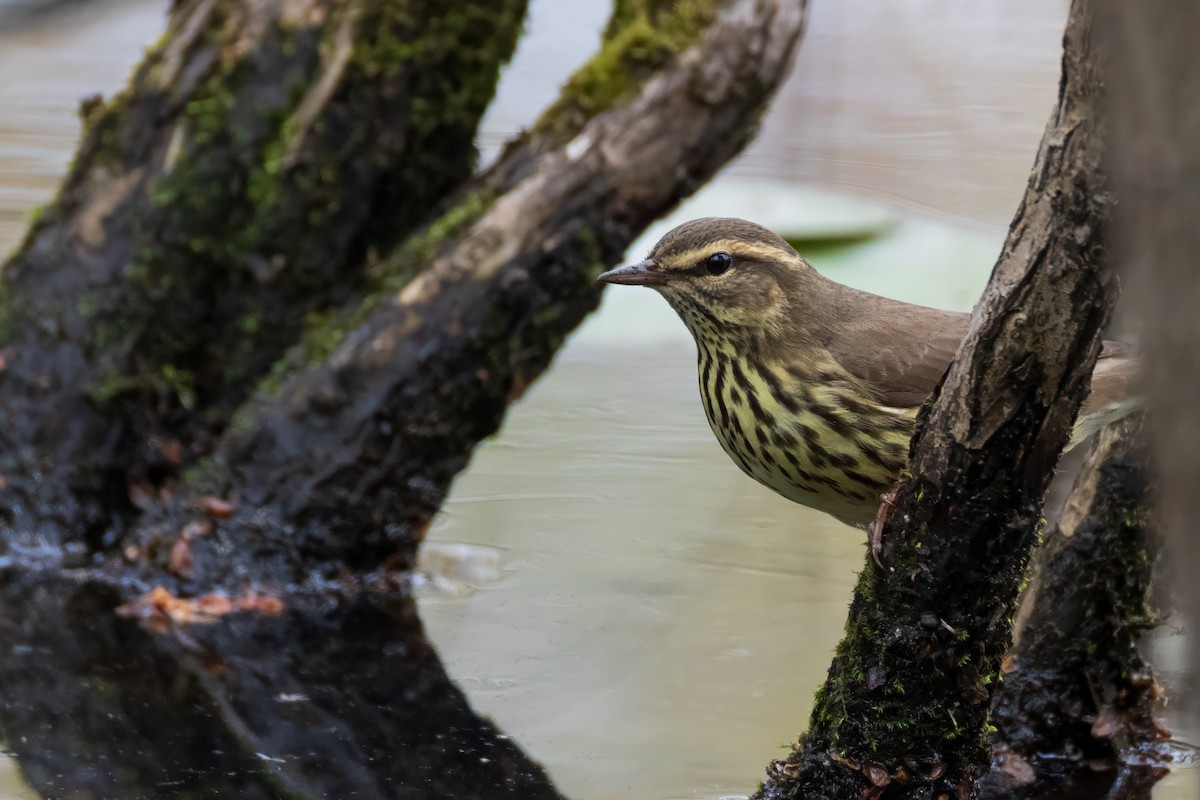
813,387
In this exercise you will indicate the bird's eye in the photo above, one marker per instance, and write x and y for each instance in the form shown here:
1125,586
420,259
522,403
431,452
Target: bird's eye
718,263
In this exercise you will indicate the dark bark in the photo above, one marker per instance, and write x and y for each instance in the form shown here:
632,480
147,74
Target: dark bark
259,154
1155,162
344,464
269,567
1052,781
904,710
1076,686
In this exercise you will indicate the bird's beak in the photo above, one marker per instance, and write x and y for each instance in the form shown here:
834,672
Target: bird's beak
644,273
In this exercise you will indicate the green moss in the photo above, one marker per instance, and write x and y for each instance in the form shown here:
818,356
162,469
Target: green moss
642,37
35,214
181,384
169,382
324,331
255,197
112,384
420,249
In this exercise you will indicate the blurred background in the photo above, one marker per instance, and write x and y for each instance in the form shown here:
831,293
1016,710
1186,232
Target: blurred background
604,582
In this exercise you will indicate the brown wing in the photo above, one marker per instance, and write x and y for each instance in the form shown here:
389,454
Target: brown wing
901,350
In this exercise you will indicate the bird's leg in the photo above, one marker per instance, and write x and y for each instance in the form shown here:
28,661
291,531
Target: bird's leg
875,529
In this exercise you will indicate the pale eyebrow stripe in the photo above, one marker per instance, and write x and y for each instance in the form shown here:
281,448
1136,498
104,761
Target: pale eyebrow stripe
732,246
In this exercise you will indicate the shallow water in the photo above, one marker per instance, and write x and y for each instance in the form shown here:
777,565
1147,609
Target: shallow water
644,619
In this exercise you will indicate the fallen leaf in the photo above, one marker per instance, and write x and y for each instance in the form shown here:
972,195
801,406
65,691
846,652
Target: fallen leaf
215,507
877,774
214,605
172,451
838,758
197,527
158,609
1018,769
261,603
141,495
182,563
1107,724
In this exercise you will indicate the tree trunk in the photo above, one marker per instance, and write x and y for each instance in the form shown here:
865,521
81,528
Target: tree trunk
904,710
343,463
260,625
1075,687
260,153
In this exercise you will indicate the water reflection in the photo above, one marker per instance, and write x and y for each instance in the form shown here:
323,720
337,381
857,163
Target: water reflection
340,695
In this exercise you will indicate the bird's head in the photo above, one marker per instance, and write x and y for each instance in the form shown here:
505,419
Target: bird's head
723,277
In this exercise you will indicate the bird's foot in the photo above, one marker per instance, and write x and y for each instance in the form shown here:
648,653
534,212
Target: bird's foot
875,529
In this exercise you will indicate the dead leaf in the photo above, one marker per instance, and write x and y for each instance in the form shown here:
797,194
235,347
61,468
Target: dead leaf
1008,664
141,495
197,527
1108,723
182,563
261,603
215,507
172,452
838,758
214,605
1018,769
159,610
877,774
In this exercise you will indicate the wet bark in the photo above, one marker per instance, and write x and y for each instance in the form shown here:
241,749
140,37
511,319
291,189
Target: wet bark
904,710
1156,168
259,155
338,695
343,463
254,605
1075,687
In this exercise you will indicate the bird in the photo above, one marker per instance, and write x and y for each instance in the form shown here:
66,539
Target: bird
813,387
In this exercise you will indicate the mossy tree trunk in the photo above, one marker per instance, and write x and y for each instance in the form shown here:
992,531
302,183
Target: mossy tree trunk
904,711
260,154
346,454
252,603
1075,688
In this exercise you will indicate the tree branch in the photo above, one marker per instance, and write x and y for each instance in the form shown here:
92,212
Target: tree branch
904,709
259,153
347,461
1075,686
